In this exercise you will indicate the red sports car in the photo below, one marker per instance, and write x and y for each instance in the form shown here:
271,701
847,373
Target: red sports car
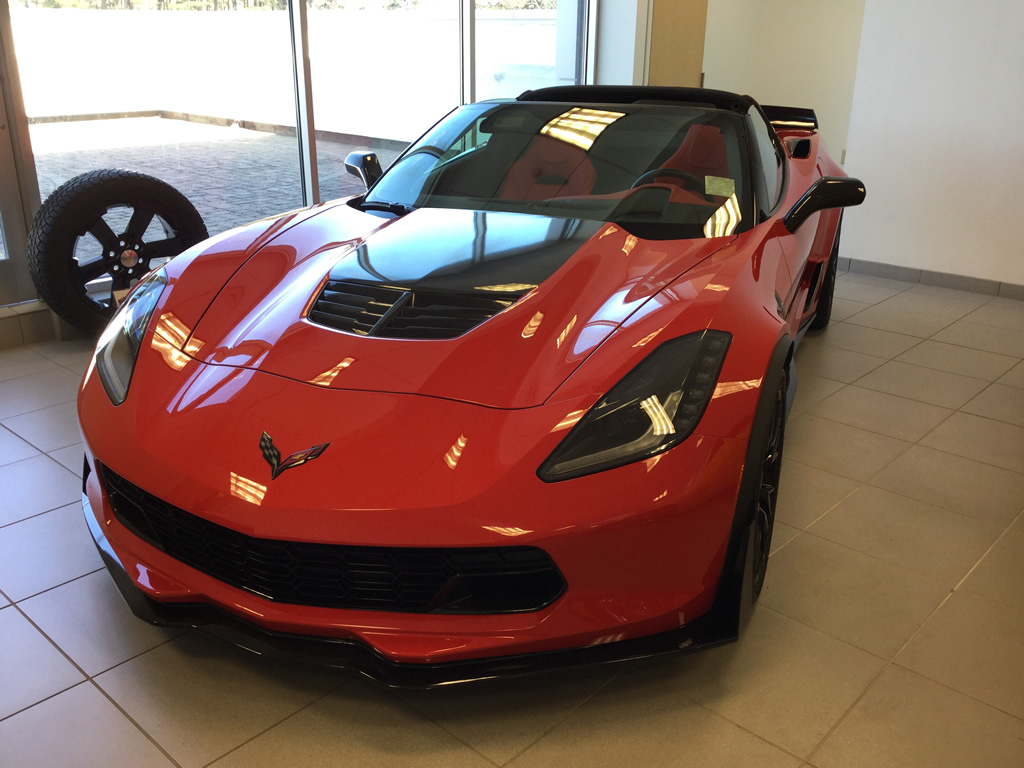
521,404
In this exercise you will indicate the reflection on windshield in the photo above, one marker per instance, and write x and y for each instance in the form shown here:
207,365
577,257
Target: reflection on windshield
580,126
725,219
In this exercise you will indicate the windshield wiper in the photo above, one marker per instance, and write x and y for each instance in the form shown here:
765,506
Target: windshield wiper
399,209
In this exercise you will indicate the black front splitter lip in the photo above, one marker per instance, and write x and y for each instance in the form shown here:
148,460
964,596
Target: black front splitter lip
702,633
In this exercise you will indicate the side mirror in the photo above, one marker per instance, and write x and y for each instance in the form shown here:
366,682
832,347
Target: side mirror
827,192
365,165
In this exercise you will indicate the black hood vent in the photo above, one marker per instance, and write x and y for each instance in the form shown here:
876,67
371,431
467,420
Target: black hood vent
401,313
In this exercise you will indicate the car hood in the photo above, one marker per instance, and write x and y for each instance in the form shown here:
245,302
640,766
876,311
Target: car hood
568,284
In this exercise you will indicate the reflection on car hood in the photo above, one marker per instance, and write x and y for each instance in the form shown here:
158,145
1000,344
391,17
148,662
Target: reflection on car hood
569,283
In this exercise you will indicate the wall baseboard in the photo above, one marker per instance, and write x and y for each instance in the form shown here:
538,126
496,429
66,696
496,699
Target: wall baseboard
928,277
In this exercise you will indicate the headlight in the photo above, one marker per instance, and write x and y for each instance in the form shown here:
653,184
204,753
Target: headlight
655,406
118,347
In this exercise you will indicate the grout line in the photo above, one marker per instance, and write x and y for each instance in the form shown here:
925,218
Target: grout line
88,678
892,661
283,720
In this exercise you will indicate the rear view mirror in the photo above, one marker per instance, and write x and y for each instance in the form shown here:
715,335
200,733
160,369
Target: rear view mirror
365,165
827,192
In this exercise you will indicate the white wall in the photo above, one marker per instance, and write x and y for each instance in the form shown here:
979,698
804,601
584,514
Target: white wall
800,53
938,137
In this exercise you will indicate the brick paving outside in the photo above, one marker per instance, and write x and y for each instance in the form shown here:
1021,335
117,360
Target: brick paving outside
231,175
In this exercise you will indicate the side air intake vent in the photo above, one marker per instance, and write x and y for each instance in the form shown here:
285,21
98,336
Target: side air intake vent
380,310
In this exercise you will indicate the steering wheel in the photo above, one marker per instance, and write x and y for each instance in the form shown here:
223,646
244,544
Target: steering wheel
692,180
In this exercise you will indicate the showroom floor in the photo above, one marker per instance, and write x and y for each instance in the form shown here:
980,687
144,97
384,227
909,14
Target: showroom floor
890,633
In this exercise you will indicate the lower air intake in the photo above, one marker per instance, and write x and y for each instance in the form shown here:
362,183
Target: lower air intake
474,580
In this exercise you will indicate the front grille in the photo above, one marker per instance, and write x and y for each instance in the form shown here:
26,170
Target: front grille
401,579
380,310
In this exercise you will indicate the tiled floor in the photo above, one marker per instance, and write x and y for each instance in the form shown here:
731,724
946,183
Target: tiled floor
890,632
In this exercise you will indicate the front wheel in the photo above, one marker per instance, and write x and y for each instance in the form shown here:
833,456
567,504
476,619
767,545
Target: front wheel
823,312
766,492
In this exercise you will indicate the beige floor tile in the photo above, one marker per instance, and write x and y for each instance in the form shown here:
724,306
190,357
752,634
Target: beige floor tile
956,359
784,681
844,308
880,412
501,718
35,485
914,314
22,361
948,390
79,728
91,623
78,369
70,352
199,698
833,363
31,669
44,551
13,448
838,448
71,457
867,341
1002,341
361,724
998,317
1014,377
981,491
851,596
922,538
806,493
985,440
644,718
39,390
810,389
909,721
782,535
999,577
48,428
856,288
974,646
961,297
999,402
1018,524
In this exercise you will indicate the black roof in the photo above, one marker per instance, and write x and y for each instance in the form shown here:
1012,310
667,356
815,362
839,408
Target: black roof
632,94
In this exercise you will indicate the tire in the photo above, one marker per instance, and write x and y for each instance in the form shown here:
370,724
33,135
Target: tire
98,233
823,312
766,492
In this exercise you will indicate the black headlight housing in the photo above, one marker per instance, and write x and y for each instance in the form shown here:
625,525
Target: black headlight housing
118,347
655,406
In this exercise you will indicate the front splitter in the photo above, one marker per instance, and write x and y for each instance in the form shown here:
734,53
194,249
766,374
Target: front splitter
705,632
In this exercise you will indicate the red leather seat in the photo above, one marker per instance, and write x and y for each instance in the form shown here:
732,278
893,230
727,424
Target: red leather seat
702,153
549,168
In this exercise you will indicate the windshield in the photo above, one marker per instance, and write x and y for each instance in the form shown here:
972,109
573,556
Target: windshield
673,171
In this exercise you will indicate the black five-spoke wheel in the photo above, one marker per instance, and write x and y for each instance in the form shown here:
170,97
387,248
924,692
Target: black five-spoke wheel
98,233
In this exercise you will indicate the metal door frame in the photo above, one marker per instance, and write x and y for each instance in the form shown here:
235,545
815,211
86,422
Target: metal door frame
19,190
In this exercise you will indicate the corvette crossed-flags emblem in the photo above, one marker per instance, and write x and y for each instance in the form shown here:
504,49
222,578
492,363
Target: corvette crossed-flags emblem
273,456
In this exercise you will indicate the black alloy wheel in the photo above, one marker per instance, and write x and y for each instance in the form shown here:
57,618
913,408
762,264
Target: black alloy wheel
823,312
98,234
767,489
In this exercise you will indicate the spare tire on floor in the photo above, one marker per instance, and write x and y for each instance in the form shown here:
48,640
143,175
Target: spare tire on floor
98,233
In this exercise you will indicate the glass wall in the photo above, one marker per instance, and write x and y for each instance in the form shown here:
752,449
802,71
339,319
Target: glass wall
195,92
525,45
383,71
200,93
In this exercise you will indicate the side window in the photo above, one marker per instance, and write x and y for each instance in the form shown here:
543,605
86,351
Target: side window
473,138
769,157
